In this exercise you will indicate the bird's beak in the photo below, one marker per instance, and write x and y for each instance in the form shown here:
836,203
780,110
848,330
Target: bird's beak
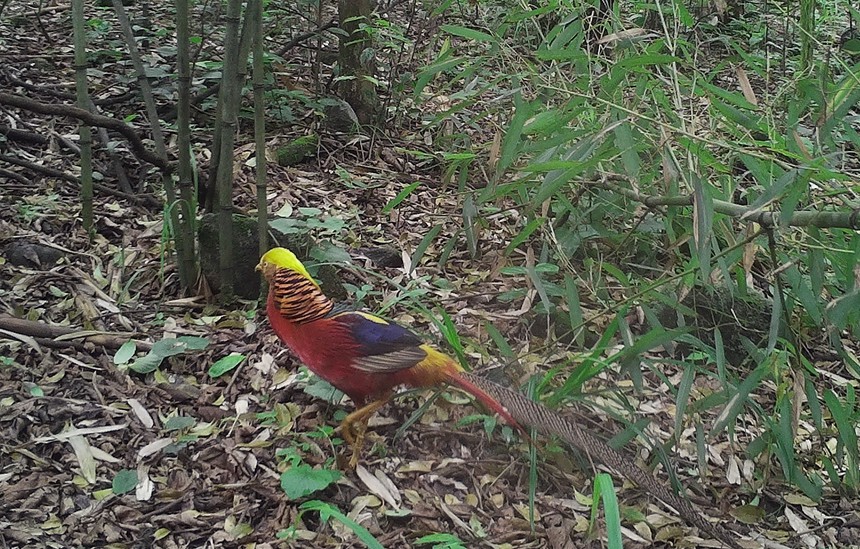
259,267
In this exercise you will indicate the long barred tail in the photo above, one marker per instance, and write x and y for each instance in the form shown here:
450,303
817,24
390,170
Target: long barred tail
519,410
470,383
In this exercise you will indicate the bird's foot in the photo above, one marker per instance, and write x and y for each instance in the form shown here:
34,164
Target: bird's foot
353,434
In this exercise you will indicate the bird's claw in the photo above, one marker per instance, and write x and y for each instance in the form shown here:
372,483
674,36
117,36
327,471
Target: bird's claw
353,435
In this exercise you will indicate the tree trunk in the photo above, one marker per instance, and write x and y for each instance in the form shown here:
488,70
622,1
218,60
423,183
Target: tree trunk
357,86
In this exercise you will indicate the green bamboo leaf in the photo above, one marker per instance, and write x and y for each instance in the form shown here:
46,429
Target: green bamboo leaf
813,401
720,351
683,398
783,432
524,234
327,512
422,246
146,364
703,218
401,196
531,392
449,330
774,191
843,420
510,144
775,319
545,123
501,343
626,144
569,54
844,98
844,310
551,165
704,88
441,540
582,154
590,366
733,114
448,248
605,491
539,286
616,273
470,34
802,291
629,358
518,16
739,398
430,72
574,309
646,60
762,171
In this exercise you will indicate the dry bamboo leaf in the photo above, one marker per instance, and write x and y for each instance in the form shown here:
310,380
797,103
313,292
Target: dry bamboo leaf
627,35
24,339
746,87
154,447
84,455
389,484
733,472
495,149
81,432
378,488
141,413
749,255
801,527
101,455
454,518
143,490
416,466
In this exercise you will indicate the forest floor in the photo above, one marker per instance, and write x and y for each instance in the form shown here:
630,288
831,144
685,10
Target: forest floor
208,451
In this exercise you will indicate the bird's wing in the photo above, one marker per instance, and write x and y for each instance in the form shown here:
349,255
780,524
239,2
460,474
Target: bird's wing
383,346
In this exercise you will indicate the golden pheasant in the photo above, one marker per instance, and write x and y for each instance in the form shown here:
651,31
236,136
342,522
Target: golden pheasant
361,354
368,357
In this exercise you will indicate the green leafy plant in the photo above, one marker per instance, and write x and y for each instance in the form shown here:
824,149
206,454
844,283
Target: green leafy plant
303,480
328,512
441,541
161,350
623,200
124,481
225,364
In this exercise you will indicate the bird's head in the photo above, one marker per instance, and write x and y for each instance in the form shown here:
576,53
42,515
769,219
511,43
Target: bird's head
281,258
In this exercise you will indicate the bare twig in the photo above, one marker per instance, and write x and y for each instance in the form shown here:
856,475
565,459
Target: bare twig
765,218
290,44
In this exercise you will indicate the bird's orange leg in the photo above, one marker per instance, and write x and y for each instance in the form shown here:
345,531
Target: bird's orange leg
354,426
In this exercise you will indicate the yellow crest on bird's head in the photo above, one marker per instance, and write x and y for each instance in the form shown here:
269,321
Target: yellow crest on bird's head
281,258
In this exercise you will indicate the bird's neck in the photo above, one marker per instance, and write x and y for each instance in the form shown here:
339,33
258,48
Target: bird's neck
297,298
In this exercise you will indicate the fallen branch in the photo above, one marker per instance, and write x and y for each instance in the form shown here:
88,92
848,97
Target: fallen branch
87,117
64,95
142,199
62,336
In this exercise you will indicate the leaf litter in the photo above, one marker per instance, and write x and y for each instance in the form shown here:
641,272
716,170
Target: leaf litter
97,453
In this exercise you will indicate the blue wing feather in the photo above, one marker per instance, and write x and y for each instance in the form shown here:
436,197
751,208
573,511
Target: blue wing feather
384,346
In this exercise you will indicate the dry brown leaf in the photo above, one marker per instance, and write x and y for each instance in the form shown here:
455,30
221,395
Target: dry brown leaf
746,87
